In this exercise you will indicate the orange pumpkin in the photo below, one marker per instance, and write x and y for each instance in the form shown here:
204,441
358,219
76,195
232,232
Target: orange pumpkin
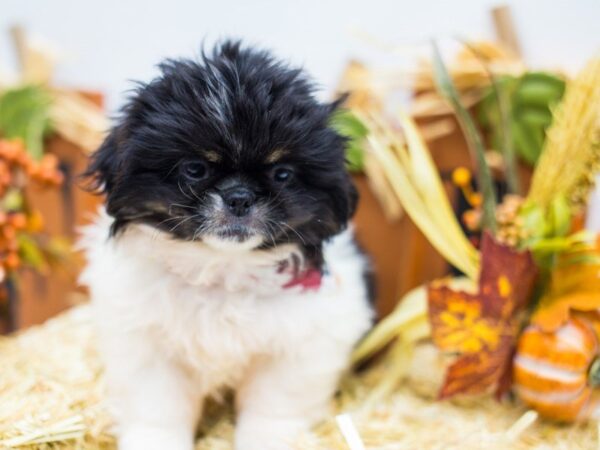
556,372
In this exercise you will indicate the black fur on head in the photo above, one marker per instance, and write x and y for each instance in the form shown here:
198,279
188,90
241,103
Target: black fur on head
232,147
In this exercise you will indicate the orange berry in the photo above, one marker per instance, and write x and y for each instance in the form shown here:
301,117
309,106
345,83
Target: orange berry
475,199
11,153
9,232
461,176
28,165
5,178
49,161
58,178
33,171
18,144
35,222
4,148
12,245
23,159
472,219
18,220
12,261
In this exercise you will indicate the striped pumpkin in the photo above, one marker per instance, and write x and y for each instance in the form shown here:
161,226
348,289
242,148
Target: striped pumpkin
556,373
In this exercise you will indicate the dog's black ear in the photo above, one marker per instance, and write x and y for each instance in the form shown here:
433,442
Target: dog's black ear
335,105
346,195
345,199
353,197
104,166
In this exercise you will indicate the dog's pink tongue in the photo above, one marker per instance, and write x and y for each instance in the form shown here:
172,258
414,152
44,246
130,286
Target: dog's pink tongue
309,279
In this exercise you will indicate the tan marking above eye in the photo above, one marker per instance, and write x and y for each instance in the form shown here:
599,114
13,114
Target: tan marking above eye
212,156
275,156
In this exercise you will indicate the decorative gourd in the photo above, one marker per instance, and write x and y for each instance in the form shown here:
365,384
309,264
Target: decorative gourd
556,373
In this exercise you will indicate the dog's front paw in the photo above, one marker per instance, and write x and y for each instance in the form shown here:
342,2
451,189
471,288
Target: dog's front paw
268,433
155,438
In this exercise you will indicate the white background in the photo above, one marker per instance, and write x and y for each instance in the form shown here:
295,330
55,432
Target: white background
106,43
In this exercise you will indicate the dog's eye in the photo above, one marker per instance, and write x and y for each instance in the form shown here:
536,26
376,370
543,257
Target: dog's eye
282,174
195,170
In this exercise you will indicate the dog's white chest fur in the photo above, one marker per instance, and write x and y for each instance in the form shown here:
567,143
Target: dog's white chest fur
207,319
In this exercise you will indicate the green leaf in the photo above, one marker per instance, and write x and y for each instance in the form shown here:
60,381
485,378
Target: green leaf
529,100
24,114
534,221
496,115
551,245
559,216
572,243
508,149
536,117
349,126
447,89
525,143
539,89
30,252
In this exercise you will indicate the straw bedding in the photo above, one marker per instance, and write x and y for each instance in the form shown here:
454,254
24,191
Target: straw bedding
51,397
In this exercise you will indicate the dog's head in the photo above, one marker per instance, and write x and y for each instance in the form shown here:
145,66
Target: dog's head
233,150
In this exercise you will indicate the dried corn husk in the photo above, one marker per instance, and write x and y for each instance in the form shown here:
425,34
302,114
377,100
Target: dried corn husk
380,186
411,311
413,176
391,206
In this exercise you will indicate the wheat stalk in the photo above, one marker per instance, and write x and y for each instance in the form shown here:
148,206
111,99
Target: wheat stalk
571,154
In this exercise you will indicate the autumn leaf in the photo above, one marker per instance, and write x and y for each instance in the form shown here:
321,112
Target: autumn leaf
481,327
572,287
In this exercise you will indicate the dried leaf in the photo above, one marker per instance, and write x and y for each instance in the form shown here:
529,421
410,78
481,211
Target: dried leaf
481,327
475,373
24,113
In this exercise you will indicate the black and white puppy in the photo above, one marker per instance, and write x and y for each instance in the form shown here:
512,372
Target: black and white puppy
223,259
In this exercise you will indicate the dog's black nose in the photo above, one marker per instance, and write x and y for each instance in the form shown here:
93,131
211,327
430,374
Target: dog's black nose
239,201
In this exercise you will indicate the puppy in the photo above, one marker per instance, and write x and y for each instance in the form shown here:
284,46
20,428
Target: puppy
223,259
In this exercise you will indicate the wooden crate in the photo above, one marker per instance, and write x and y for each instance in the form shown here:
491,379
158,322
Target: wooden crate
40,296
64,210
